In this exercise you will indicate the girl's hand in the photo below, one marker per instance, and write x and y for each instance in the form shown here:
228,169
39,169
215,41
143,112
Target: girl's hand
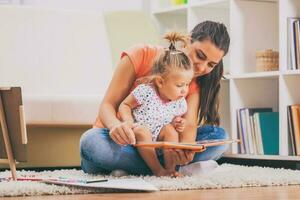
182,157
122,133
179,124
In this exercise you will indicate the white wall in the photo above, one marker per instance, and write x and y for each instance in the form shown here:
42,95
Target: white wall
58,52
44,52
88,5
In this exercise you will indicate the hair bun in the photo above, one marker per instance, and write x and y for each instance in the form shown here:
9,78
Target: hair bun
174,37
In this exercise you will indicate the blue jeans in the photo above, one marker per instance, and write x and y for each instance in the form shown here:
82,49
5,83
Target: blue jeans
100,154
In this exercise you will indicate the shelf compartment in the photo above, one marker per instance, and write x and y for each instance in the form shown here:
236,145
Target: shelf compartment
292,95
287,8
174,19
256,93
252,32
251,93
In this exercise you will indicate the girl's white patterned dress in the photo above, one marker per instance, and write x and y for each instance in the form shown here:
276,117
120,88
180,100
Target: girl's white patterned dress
152,111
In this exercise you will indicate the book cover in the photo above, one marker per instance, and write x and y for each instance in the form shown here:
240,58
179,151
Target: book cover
256,126
244,132
291,135
242,148
295,110
291,43
297,43
197,146
130,184
257,135
269,125
249,132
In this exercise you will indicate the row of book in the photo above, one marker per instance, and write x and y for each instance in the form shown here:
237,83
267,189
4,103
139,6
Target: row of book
293,42
258,131
294,129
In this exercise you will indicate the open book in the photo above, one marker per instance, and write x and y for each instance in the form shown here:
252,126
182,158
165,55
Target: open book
197,146
129,184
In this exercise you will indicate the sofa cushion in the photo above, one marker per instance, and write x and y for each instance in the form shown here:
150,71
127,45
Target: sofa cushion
61,110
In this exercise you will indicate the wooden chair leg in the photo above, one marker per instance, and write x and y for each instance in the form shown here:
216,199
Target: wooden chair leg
13,169
10,157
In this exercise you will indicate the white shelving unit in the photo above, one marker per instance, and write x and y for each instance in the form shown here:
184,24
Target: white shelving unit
253,25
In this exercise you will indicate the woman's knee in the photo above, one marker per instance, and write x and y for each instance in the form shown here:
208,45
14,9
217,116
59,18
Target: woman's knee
92,140
209,132
86,139
222,134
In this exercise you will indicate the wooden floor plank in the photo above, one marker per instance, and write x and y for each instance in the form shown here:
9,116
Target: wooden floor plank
249,193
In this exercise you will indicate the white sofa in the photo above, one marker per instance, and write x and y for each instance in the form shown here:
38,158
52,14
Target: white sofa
60,58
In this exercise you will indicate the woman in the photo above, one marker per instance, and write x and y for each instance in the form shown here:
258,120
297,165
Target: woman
103,150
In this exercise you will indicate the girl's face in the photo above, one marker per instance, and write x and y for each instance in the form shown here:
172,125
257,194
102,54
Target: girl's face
175,84
205,56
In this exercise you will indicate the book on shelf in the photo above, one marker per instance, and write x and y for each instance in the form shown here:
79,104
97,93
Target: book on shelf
293,43
297,42
247,133
269,128
241,147
257,130
294,128
247,138
291,136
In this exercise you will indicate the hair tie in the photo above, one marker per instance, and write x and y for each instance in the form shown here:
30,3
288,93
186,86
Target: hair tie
172,47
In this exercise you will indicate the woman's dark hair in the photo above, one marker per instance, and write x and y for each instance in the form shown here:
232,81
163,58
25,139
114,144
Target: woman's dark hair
210,83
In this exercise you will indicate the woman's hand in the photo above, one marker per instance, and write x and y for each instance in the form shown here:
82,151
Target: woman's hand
122,133
182,157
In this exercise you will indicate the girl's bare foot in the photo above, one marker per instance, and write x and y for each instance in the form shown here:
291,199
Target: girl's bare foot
164,172
169,173
177,174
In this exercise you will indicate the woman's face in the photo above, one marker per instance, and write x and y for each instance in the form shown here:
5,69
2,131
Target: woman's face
205,56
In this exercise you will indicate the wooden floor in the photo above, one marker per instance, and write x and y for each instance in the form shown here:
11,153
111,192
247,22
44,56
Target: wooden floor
251,193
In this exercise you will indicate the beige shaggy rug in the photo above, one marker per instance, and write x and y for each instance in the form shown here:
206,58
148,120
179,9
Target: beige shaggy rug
224,176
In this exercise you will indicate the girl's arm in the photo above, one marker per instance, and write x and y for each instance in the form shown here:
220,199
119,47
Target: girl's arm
119,87
125,109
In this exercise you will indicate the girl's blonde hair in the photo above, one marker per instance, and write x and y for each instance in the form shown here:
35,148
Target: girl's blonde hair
172,57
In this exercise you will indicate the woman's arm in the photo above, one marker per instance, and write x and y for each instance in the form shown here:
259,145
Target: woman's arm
123,79
191,117
182,157
125,108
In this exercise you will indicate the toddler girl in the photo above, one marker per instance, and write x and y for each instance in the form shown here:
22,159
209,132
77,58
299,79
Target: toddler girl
153,106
